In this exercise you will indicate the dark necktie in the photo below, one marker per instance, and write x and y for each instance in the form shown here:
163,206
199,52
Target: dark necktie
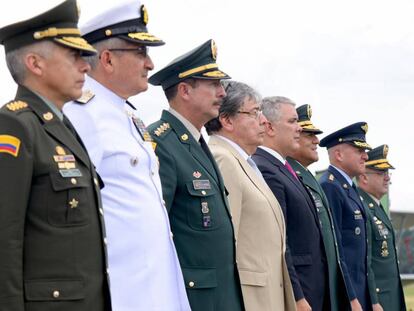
290,169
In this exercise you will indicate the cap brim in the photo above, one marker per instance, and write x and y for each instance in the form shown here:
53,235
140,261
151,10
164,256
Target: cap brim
76,43
212,75
144,38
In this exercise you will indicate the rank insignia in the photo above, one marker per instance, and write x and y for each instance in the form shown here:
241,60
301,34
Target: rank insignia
60,150
184,137
331,177
161,129
345,186
9,144
48,116
87,95
197,174
73,203
16,105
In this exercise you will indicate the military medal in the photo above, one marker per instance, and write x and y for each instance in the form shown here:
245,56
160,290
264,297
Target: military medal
384,249
206,221
204,208
196,174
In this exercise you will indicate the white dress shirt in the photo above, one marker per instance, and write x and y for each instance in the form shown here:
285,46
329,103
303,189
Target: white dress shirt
143,265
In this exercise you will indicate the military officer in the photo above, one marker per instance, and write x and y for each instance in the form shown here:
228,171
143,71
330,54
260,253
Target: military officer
300,159
192,184
373,185
347,155
143,262
51,226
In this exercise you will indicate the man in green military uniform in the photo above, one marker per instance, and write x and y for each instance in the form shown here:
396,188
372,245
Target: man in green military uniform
300,160
52,253
192,185
372,186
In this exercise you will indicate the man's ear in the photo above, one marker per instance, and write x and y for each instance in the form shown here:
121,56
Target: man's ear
183,90
269,129
106,61
227,123
35,63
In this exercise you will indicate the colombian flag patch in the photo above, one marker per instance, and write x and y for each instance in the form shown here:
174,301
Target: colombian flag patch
9,144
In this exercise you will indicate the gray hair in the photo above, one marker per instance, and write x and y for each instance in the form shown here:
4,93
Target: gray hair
271,107
15,59
236,94
102,45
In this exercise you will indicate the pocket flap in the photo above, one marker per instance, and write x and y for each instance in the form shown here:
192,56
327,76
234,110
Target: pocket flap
253,278
200,277
54,290
60,183
302,260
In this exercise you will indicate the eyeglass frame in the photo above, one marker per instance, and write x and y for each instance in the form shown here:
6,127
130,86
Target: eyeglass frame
141,50
256,113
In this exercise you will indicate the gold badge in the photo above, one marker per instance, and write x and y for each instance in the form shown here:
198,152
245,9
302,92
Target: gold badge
73,203
365,127
213,49
197,174
184,137
48,116
144,14
16,105
385,151
384,249
309,112
60,150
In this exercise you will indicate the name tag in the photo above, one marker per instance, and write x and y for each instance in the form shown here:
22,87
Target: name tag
201,184
70,173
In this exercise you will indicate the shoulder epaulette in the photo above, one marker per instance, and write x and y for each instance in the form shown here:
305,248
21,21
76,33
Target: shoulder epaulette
16,105
86,97
162,129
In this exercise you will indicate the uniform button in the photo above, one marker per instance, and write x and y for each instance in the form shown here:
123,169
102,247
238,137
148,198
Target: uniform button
152,173
377,290
171,235
56,294
105,241
73,181
203,192
191,284
101,211
96,181
163,202
107,270
134,161
357,230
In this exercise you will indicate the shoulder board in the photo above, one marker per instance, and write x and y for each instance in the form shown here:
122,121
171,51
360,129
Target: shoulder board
16,105
162,129
86,97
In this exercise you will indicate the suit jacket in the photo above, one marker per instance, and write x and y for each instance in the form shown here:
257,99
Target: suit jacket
260,231
195,197
350,218
384,261
306,256
339,299
51,227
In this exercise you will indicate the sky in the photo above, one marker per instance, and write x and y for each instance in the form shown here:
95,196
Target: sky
350,60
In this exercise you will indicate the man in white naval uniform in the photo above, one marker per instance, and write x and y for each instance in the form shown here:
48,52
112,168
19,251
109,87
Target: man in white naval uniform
144,270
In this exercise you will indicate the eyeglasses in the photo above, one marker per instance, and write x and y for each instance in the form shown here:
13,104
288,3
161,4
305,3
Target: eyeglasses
140,50
253,114
380,173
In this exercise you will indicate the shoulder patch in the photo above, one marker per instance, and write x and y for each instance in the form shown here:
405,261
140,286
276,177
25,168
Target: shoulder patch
331,177
86,97
17,105
162,129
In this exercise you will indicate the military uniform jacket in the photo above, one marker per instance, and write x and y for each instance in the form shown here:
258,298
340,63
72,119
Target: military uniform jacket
384,261
199,215
339,299
306,255
51,230
260,230
350,218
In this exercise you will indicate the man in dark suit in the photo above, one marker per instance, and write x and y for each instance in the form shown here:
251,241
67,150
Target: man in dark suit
372,186
305,255
347,155
300,160
192,186
52,253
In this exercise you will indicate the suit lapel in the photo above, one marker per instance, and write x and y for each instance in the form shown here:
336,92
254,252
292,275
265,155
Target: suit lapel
53,125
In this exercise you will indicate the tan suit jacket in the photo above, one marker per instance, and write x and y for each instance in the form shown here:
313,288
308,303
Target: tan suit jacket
260,233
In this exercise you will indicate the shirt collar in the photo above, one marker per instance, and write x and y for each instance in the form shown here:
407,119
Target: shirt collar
235,146
274,153
52,107
345,175
188,125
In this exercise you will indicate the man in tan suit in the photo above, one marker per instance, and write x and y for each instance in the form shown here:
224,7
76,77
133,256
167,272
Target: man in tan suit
258,220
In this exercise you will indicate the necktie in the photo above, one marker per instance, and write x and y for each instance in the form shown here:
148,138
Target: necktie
290,169
204,146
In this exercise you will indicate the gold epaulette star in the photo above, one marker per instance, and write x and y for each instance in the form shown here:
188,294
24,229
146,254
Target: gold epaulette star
17,105
161,129
86,97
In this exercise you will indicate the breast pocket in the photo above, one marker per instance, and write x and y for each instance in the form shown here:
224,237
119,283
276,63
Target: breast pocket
204,208
69,205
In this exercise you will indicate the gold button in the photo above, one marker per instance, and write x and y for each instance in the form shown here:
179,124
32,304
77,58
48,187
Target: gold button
73,181
56,294
96,181
203,192
191,284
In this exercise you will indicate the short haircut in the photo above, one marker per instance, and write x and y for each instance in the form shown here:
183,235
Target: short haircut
171,92
100,46
271,107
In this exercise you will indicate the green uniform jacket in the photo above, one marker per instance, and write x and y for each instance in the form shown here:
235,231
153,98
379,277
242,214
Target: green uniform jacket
384,261
199,215
52,255
337,289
